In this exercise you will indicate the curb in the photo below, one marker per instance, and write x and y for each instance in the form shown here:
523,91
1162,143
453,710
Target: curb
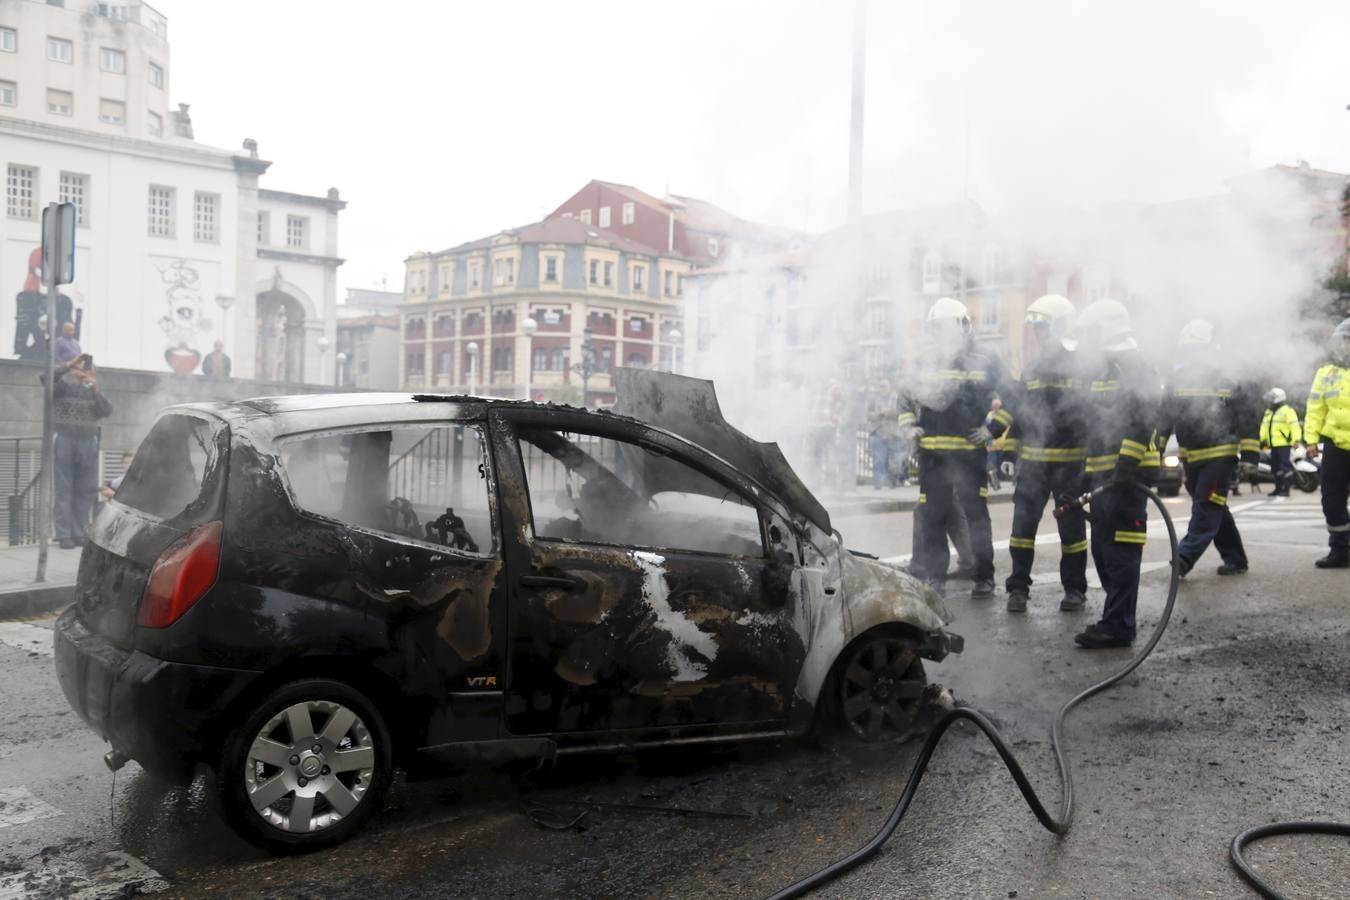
35,599
879,507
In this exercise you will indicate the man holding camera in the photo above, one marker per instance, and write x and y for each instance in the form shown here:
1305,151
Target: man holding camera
77,406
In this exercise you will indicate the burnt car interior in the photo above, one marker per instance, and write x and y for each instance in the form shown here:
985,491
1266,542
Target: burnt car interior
423,483
595,489
166,474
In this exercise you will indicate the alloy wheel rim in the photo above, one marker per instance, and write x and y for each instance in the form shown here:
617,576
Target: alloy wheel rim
881,689
309,766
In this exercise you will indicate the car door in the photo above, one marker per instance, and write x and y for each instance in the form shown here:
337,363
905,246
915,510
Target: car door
642,595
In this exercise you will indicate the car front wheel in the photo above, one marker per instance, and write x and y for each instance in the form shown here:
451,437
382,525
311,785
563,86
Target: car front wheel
880,687
306,766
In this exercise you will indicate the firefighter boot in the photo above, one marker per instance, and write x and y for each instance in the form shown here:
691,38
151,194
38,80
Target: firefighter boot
1338,558
1017,601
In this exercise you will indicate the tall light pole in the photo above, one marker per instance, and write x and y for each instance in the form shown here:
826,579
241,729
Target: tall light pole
341,364
528,328
323,343
855,131
675,337
472,349
586,368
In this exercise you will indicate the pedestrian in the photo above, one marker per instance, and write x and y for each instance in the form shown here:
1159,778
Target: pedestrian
216,365
110,487
1211,418
945,411
1047,439
1121,453
1327,420
77,406
1280,433
882,434
67,345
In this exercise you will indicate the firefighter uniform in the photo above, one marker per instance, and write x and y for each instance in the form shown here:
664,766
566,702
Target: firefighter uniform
1214,425
948,404
1328,421
1048,438
1121,451
1281,432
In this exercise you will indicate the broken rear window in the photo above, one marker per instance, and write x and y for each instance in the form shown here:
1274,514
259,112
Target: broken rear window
177,456
599,490
419,482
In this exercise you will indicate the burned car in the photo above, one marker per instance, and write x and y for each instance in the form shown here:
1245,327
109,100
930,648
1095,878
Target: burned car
303,592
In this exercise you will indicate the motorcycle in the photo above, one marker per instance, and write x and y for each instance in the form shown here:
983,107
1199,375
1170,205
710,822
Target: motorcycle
1307,472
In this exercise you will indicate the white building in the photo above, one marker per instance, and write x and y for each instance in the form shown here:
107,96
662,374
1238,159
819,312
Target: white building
177,245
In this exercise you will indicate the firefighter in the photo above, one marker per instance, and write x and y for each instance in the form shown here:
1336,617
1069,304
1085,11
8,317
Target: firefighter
1328,420
945,410
1212,419
1122,402
1047,437
1280,432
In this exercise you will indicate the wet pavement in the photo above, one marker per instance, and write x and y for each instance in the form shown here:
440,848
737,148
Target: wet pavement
1238,719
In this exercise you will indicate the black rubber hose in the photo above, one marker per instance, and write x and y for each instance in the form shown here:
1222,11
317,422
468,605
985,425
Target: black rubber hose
1055,824
1239,847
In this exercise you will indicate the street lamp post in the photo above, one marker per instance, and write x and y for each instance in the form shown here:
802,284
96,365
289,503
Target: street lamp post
225,301
586,368
341,364
528,328
323,343
675,337
472,349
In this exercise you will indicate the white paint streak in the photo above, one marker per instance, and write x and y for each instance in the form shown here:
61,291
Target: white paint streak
690,649
18,805
25,636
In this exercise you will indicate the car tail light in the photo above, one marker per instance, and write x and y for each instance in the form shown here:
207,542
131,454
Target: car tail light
181,575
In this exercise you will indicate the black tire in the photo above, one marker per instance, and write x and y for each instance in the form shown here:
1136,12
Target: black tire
1307,482
340,784
878,688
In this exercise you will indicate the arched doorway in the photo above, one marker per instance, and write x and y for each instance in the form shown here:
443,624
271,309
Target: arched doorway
281,337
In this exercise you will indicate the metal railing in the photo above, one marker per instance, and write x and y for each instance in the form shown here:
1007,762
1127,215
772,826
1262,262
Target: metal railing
432,470
20,469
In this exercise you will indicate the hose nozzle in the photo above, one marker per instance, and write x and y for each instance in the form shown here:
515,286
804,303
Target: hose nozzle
1077,503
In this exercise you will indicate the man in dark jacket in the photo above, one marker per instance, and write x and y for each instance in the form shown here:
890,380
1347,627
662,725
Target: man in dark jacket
77,405
945,411
1121,453
1215,426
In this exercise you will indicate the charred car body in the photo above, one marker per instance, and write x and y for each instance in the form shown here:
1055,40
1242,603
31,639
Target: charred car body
303,592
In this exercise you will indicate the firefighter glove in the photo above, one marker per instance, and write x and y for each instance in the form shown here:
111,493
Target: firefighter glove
980,436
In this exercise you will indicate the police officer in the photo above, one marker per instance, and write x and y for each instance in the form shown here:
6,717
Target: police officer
945,410
1123,401
1280,432
1047,437
1328,420
1214,425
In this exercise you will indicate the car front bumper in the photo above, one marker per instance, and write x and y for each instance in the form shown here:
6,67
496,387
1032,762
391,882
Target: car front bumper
159,713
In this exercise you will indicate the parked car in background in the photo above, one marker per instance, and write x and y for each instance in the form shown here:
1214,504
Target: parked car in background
303,592
1172,473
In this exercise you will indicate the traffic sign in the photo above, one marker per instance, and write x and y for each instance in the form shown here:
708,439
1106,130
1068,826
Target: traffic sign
58,243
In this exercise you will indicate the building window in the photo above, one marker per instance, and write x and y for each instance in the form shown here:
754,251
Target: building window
628,214
205,213
155,124
447,279
502,359
155,74
595,271
60,50
551,268
161,211
20,192
9,40
604,217
585,217
609,274
932,272
112,112
993,267
635,325
475,275
872,361
106,10
60,103
503,272
264,228
9,93
668,283
876,320
714,246
297,232
991,313
110,60
639,274
73,189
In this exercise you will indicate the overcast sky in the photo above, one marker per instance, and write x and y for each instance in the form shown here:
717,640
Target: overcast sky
441,122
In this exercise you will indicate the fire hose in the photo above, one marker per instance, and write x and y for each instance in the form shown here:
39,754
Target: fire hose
1056,824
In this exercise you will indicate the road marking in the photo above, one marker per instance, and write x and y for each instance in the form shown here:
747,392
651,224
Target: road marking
114,874
23,636
18,805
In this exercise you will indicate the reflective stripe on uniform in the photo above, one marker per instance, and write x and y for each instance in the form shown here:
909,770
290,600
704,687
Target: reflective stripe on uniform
1105,386
1201,454
1132,449
1003,417
906,418
1203,392
1337,529
1150,460
1018,543
1053,454
1101,463
1076,547
1037,384
923,498
1131,537
1249,445
984,492
1217,499
946,442
1012,445
961,375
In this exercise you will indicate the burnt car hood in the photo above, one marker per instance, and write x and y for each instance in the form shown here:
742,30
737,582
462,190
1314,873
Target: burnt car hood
688,407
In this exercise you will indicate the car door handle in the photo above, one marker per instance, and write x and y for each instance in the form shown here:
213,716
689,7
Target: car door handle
550,581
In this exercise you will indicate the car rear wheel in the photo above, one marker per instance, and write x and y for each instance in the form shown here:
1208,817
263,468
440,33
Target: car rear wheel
880,686
306,766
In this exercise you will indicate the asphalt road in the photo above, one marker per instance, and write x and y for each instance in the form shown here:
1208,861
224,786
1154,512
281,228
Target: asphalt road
1239,718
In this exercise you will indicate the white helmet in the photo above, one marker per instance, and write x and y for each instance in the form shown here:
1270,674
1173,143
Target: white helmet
946,309
1106,326
1276,396
1051,308
1197,333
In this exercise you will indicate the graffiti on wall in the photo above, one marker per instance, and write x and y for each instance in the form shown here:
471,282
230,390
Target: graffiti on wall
30,305
184,321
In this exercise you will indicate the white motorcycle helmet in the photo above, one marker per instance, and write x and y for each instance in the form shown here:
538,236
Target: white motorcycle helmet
1104,326
1276,397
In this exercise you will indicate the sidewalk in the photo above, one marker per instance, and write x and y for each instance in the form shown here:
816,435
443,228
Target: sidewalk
868,501
19,596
